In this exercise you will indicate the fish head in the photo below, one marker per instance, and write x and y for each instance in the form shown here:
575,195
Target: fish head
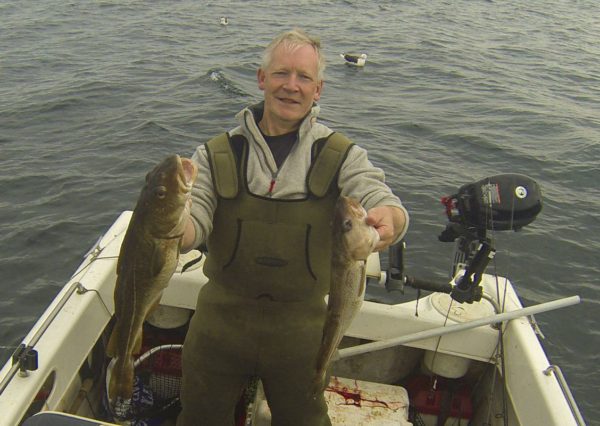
166,196
351,231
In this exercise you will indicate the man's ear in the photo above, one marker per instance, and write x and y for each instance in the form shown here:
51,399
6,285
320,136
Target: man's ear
260,77
319,90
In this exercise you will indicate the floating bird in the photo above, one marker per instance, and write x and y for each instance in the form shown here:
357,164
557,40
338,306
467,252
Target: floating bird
224,20
353,59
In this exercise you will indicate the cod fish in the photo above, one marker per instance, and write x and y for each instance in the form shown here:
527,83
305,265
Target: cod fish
353,240
147,260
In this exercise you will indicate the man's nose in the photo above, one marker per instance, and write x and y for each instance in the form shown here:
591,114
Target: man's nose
292,82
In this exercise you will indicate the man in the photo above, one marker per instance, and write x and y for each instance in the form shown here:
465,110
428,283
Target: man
263,202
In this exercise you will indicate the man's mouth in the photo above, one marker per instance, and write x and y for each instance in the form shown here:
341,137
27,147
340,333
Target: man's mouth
288,101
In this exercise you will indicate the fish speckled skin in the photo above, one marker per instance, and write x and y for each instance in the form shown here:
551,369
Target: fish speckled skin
147,260
353,241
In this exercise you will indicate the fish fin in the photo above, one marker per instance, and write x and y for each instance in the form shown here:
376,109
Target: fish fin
137,344
363,280
318,385
329,343
128,243
111,348
154,304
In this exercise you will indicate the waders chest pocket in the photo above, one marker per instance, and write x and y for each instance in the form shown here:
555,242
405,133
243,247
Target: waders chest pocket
271,258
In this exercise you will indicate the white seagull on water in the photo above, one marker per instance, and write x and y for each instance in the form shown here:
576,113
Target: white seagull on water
354,59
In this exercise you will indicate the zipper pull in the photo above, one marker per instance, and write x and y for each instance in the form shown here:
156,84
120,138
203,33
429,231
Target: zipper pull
271,186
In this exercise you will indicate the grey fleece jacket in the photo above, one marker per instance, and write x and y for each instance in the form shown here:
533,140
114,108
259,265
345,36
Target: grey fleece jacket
358,178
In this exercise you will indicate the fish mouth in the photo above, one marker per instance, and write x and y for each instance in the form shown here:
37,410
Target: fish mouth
350,219
187,173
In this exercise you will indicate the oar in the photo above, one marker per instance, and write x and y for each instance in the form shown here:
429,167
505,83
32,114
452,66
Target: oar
440,331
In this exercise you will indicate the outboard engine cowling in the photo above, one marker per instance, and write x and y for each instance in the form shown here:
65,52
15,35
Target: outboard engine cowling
501,202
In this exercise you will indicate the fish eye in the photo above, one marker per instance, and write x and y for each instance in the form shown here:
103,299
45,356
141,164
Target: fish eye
347,224
160,192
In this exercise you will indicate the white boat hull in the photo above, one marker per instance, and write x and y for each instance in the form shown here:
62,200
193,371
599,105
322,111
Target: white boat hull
76,322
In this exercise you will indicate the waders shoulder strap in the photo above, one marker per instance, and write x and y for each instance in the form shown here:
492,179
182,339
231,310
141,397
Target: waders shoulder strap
224,155
330,154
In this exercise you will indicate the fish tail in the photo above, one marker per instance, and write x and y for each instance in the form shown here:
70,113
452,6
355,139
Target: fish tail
318,384
121,379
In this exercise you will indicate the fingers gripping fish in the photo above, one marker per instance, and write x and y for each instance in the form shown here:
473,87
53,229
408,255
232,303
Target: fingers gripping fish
353,240
147,260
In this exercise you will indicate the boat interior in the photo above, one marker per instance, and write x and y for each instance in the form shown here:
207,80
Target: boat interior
433,370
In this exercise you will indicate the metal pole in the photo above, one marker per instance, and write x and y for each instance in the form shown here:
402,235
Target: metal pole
440,331
566,391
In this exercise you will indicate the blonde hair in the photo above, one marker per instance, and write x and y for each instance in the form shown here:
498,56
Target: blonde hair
293,39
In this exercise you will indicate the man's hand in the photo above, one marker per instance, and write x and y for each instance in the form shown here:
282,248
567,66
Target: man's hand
388,221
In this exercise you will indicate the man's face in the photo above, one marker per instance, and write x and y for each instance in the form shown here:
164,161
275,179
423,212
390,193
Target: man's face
291,86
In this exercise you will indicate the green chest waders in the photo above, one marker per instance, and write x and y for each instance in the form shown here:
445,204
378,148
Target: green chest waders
262,312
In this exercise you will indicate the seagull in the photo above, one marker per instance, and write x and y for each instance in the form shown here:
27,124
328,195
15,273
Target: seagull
224,20
353,59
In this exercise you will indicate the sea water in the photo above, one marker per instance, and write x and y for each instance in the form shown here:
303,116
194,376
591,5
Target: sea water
94,93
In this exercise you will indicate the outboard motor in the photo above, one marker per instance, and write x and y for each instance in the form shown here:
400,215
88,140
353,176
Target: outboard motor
504,202
499,203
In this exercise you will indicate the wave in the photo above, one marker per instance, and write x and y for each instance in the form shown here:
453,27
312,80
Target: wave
218,76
